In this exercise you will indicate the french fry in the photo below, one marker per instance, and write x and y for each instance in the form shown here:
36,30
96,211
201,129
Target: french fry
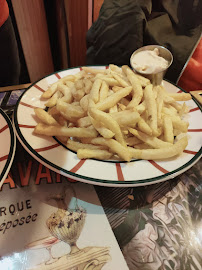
93,153
53,100
180,96
69,110
126,118
45,117
76,103
124,131
49,130
75,146
110,92
116,88
84,121
168,99
53,88
87,85
66,78
115,68
131,141
79,75
102,76
155,91
113,99
159,132
168,129
66,92
113,109
151,108
184,110
63,88
104,132
69,83
160,154
176,132
104,90
77,93
179,124
94,70
152,141
143,81
62,121
53,111
121,107
142,146
95,90
86,140
177,106
79,84
109,123
50,91
88,76
84,102
140,108
99,141
110,81
169,111
124,69
137,89
144,127
119,149
159,103
173,109
91,104
121,81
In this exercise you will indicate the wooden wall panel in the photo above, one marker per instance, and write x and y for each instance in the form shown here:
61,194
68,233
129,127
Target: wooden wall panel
90,13
62,34
32,26
77,24
96,8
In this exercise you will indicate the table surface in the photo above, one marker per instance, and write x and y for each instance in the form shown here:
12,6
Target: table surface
157,226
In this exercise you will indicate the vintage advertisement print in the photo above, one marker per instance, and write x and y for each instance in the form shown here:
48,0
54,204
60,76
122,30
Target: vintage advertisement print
48,222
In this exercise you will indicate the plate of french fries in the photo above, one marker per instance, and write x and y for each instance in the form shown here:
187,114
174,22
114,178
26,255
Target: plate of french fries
109,126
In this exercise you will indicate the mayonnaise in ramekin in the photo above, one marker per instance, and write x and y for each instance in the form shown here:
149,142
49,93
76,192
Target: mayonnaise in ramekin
148,61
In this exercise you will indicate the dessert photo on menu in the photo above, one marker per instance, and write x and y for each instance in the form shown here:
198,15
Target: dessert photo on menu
56,225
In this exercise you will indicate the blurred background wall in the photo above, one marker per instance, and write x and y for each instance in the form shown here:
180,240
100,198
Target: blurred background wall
51,34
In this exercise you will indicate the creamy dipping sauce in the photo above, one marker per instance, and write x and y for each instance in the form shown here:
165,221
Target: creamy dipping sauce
149,62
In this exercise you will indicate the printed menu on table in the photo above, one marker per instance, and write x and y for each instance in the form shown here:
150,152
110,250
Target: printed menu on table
48,221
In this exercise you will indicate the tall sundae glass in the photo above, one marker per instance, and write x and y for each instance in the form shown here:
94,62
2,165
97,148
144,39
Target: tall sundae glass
66,224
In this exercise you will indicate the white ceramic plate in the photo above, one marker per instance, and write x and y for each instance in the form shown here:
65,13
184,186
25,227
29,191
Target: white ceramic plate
7,146
106,173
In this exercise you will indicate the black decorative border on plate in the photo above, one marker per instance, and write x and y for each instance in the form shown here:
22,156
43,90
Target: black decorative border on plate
12,145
